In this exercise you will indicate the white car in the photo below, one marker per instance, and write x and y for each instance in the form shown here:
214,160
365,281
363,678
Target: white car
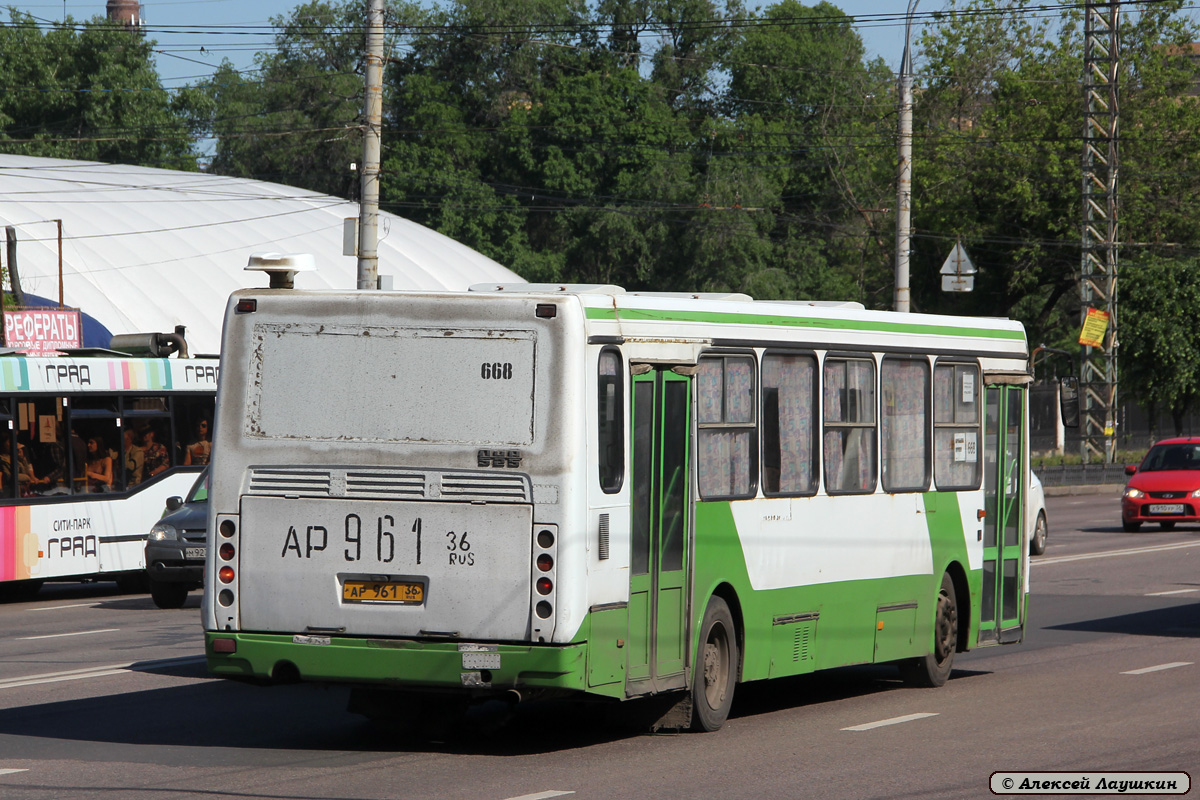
1035,516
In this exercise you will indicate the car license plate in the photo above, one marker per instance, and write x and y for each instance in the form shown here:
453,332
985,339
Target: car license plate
193,552
1166,508
408,593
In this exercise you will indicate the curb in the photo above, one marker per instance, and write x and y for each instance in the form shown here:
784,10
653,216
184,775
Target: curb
1113,489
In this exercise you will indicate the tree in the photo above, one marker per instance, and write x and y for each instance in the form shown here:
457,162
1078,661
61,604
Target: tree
997,156
1160,349
88,91
295,118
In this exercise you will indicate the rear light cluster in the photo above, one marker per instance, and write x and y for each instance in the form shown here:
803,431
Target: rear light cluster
225,553
545,544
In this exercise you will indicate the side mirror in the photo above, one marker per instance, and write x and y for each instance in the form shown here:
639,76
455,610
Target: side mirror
1130,469
1068,400
174,503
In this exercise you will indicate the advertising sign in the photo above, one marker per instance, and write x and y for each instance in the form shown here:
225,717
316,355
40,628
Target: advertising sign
42,331
1095,325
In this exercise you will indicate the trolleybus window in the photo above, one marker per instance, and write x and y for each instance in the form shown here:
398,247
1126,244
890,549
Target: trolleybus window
849,426
904,424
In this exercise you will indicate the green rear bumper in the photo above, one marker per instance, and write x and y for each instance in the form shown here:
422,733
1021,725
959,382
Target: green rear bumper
394,662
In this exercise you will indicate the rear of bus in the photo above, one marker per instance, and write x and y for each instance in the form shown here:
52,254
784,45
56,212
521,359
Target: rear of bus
389,491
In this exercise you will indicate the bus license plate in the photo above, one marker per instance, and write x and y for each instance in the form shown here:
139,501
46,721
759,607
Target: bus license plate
1166,508
193,552
403,592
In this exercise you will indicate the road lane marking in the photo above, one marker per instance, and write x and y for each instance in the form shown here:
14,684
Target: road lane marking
542,795
1042,561
73,605
893,721
1159,668
98,672
11,771
60,635
1175,591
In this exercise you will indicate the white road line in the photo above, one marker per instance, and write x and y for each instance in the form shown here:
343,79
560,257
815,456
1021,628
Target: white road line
1175,591
1114,553
60,635
541,795
893,721
1159,668
11,771
73,605
97,672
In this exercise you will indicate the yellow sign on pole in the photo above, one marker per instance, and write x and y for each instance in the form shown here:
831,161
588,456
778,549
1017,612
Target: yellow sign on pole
1095,325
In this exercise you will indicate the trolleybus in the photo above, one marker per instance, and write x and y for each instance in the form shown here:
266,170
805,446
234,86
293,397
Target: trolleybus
91,446
532,489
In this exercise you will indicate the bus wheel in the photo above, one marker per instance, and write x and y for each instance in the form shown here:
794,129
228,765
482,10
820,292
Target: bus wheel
168,595
715,672
933,669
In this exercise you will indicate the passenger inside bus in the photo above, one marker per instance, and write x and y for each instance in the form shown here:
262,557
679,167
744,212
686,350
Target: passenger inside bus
135,458
99,471
27,479
198,451
156,458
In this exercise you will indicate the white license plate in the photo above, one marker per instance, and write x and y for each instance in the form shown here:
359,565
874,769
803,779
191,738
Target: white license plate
1166,508
193,552
481,661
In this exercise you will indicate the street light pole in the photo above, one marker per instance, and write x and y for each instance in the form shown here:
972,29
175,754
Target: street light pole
904,178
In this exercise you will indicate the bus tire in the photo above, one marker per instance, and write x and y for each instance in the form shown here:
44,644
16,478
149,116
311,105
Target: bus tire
715,669
933,669
168,595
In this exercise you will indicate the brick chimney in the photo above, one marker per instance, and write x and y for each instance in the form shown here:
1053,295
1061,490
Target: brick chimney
126,12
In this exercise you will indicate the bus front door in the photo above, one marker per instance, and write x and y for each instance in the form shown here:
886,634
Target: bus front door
659,530
1005,484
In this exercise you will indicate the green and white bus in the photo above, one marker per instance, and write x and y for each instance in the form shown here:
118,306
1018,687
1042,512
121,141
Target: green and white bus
527,489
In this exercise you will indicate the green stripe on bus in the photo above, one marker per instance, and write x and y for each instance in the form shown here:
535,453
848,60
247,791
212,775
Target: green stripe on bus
638,315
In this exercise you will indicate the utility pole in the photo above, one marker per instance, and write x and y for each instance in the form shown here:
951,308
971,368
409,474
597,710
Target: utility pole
1098,275
368,209
904,178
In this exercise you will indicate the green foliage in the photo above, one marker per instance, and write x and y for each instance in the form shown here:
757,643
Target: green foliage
87,92
1160,350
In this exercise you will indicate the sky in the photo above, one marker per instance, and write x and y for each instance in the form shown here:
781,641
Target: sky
183,27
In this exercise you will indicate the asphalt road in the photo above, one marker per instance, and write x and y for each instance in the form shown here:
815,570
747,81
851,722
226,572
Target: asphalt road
103,695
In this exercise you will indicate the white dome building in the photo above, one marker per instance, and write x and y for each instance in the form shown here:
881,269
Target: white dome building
146,250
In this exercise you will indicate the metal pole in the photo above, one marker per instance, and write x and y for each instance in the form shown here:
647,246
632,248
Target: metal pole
904,178
368,214
60,275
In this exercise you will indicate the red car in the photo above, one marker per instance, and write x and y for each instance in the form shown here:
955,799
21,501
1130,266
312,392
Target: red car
1165,487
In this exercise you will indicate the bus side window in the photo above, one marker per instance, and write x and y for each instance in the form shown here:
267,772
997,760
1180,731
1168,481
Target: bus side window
956,442
849,440
789,403
727,430
610,407
904,424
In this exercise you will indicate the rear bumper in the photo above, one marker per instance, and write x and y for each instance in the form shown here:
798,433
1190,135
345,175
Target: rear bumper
166,562
397,663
